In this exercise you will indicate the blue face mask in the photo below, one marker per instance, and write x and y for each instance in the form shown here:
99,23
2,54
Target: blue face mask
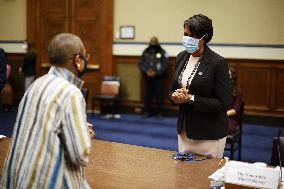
190,43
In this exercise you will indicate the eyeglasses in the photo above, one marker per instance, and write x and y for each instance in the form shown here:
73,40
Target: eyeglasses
87,56
84,57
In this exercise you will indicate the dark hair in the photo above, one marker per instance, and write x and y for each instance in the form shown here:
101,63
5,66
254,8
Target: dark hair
234,81
200,25
3,53
30,47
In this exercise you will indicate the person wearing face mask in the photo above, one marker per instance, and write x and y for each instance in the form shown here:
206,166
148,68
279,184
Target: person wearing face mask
201,88
51,140
154,66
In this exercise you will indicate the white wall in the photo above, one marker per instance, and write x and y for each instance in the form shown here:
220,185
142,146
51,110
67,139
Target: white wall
253,29
13,20
241,21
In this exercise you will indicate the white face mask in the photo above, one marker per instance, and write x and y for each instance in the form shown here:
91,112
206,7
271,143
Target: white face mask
190,43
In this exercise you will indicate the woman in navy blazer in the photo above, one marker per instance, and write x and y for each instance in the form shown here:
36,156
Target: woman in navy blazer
201,88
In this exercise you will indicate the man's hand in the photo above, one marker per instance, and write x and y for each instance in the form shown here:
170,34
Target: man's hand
91,131
151,73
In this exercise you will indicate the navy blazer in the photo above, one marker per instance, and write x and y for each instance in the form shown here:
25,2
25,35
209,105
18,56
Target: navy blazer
205,118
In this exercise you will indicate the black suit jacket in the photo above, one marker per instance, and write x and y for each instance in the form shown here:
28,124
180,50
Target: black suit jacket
204,118
2,68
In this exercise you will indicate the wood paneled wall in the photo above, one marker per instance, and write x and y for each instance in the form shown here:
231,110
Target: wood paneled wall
91,20
262,83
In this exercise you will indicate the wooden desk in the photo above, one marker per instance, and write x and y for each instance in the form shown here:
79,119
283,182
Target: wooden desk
123,166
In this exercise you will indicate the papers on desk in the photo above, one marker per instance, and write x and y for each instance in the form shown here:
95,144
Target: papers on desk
257,175
252,174
2,136
218,175
217,179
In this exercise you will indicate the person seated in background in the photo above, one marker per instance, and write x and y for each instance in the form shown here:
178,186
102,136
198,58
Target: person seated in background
51,139
2,73
154,66
2,68
236,102
7,92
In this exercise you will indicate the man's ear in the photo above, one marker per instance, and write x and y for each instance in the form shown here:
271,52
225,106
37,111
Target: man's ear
77,62
77,59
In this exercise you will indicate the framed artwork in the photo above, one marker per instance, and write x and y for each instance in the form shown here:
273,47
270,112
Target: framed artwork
127,32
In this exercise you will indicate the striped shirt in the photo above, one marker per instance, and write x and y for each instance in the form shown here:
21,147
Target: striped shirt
50,143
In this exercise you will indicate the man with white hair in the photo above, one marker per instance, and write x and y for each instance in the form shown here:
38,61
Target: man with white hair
51,140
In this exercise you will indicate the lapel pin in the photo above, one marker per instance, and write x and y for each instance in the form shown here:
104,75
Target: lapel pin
200,73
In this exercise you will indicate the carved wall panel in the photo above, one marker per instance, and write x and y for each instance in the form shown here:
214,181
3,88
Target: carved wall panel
55,7
261,81
86,9
279,99
256,86
91,20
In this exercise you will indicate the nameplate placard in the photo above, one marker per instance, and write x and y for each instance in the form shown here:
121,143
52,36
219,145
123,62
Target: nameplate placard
247,174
